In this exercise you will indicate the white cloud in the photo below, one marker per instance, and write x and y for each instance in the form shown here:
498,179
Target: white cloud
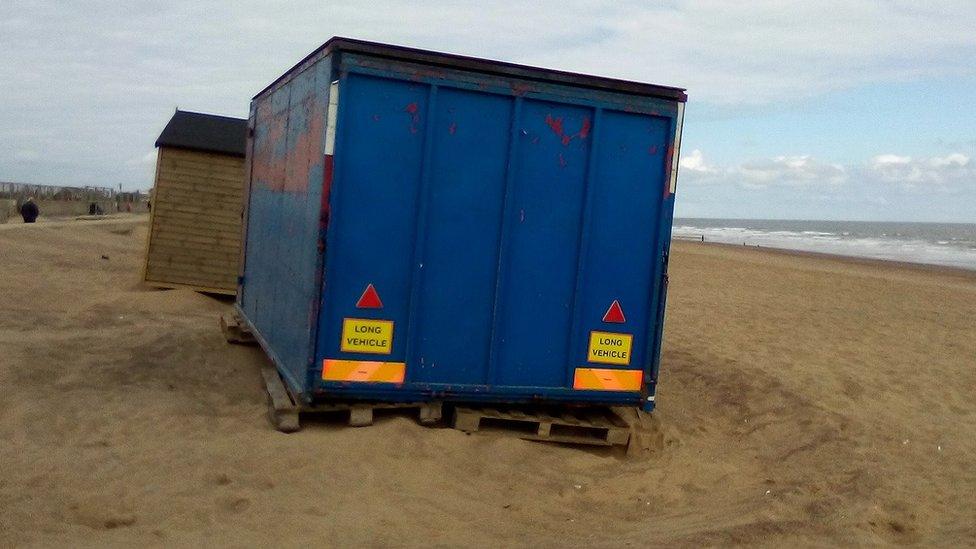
695,162
955,168
884,187
789,170
799,170
807,179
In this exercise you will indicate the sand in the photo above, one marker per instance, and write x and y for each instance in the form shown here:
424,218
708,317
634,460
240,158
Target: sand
803,400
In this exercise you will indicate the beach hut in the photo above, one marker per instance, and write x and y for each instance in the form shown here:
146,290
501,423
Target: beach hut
195,220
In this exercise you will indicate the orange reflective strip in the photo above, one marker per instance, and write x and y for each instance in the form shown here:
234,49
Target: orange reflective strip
605,379
365,371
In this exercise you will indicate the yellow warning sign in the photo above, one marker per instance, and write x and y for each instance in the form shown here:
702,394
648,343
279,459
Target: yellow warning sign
610,348
360,335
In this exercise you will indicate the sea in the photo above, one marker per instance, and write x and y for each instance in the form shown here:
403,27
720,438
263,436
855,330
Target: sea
948,244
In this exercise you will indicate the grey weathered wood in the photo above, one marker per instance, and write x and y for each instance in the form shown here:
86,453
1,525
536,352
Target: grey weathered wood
235,332
593,426
466,420
430,413
360,416
282,411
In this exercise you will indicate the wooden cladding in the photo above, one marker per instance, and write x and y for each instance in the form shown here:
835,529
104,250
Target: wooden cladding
195,228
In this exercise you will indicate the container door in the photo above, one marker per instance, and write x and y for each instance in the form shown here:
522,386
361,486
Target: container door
453,312
540,254
369,256
616,311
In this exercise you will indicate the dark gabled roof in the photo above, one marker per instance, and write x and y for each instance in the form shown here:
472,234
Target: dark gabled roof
205,132
488,66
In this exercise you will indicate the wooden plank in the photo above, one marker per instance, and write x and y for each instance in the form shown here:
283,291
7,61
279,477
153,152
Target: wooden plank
190,265
184,222
197,160
167,280
152,217
193,263
283,411
162,252
235,332
192,274
203,213
189,282
216,266
213,248
197,184
195,167
223,201
220,232
202,207
196,221
224,182
200,156
228,182
181,238
174,243
466,419
193,287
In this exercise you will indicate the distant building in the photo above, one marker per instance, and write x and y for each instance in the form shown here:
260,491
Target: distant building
196,204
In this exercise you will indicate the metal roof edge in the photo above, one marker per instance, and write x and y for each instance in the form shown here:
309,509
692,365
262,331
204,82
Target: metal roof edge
199,149
478,64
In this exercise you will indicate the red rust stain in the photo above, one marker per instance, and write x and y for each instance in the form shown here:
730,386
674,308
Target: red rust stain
452,128
414,111
585,128
652,150
278,164
520,88
305,153
555,124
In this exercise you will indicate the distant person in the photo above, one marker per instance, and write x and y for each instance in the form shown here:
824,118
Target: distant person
29,210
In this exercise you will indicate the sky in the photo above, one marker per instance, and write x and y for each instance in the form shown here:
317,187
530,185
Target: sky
797,110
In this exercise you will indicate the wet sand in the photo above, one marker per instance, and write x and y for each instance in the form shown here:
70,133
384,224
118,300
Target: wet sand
803,400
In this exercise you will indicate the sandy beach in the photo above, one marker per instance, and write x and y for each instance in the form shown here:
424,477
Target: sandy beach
804,400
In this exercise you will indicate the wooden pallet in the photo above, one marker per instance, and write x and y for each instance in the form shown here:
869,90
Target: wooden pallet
285,411
594,426
361,413
235,331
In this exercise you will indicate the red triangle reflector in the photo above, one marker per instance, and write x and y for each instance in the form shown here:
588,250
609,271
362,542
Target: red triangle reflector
615,314
370,299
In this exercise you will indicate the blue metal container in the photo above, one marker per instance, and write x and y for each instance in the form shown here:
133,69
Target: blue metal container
423,226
